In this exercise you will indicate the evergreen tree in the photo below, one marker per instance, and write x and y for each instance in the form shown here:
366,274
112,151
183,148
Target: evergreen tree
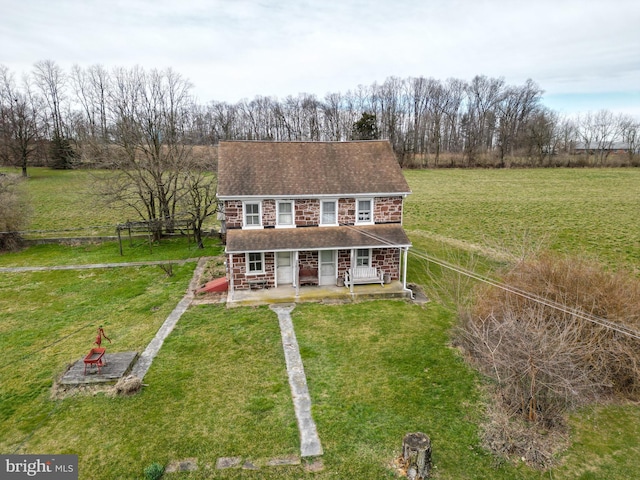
63,156
366,128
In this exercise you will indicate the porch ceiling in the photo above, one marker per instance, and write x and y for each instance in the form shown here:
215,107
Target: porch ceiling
316,238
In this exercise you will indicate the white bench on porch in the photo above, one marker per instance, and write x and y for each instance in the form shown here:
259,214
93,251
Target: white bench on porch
362,276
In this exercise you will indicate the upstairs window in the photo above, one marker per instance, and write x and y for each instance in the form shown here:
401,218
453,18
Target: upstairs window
328,212
285,214
364,213
252,215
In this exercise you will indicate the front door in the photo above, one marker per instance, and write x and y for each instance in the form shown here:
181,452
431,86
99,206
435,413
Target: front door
284,272
327,267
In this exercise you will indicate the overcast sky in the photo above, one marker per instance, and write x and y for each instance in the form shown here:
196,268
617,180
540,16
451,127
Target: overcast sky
585,54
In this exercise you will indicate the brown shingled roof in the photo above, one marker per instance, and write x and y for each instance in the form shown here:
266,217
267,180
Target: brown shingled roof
308,168
270,239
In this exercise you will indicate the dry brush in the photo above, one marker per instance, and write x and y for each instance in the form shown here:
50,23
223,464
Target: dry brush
563,332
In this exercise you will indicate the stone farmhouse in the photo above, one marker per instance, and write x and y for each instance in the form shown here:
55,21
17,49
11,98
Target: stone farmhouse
311,214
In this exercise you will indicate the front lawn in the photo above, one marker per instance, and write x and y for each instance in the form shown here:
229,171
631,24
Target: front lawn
50,319
218,387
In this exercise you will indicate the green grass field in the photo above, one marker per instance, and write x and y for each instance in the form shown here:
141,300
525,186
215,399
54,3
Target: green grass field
64,199
375,370
588,211
585,211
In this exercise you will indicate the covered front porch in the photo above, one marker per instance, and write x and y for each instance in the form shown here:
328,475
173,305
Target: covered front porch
319,294
321,257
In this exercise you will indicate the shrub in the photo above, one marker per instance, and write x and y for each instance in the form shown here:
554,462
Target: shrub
153,471
548,355
13,212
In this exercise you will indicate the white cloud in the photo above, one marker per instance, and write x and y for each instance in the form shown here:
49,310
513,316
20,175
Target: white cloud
232,49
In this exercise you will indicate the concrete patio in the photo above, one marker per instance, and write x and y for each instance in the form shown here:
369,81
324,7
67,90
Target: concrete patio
320,294
117,365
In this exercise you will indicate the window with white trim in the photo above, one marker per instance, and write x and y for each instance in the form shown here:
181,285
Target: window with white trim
255,262
284,214
363,257
364,211
252,214
329,212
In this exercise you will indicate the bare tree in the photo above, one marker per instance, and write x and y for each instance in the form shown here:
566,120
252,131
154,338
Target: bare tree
442,103
150,111
598,133
483,96
223,122
390,109
310,111
416,91
19,126
455,89
630,135
513,110
198,197
541,135
91,87
14,212
51,80
332,108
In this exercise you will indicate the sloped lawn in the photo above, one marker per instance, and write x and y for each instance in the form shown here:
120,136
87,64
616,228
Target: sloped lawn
376,371
50,319
217,389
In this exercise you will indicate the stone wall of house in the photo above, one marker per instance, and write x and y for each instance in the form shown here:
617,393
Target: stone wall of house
344,261
388,260
307,212
238,271
387,209
233,213
268,213
347,211
308,259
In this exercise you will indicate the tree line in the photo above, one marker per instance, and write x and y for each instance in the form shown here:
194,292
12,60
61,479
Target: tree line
81,114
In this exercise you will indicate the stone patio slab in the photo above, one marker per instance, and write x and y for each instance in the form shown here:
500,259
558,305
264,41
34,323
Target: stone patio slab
117,366
228,462
186,465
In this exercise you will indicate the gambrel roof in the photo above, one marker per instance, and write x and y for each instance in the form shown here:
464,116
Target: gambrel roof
307,169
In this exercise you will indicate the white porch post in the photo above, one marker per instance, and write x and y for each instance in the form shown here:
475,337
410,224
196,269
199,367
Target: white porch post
296,272
404,272
230,271
275,269
353,260
404,268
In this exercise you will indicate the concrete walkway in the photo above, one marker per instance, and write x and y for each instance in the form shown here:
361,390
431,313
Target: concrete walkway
144,361
309,441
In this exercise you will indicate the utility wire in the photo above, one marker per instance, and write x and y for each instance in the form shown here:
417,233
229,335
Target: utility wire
514,290
531,296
